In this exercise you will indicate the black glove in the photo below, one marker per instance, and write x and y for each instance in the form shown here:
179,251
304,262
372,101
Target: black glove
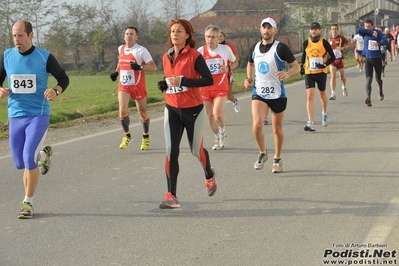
135,66
114,75
302,70
320,66
162,86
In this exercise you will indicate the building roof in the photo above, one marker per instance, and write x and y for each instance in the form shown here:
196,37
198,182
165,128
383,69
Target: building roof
232,23
239,15
226,5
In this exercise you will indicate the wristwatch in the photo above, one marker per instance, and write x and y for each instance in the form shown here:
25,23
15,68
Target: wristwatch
56,91
141,67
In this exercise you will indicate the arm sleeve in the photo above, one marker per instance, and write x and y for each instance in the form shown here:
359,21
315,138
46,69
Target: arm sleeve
206,78
305,44
54,68
3,73
329,50
364,32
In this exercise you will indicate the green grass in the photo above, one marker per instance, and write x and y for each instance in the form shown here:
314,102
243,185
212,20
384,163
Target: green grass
92,97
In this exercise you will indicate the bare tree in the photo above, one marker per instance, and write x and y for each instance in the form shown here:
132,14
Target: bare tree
38,12
173,9
140,17
7,13
55,40
79,24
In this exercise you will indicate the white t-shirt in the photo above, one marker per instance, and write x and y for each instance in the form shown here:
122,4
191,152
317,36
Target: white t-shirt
359,42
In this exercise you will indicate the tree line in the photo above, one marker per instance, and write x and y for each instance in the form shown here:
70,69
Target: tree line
68,30
85,35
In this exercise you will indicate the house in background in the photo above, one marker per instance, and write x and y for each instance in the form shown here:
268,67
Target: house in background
241,22
241,19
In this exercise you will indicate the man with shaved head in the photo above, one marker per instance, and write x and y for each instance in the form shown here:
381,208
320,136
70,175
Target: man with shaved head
27,68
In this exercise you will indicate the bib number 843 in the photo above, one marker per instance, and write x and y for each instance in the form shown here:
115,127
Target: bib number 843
23,83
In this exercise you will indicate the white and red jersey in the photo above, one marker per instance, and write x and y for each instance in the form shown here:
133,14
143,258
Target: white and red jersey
221,56
127,76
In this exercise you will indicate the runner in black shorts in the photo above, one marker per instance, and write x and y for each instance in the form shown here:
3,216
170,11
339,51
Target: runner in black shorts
266,62
317,55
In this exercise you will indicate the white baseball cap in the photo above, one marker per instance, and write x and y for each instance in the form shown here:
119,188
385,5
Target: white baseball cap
270,21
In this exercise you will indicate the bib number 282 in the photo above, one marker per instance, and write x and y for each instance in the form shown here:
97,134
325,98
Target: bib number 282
269,90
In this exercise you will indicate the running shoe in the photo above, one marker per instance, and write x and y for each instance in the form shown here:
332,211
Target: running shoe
260,163
211,184
236,106
265,121
145,143
216,146
368,102
169,202
277,166
310,126
125,142
26,211
44,166
324,120
380,95
223,139
344,92
332,97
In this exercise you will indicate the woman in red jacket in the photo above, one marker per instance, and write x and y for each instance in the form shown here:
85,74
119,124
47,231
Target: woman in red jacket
185,71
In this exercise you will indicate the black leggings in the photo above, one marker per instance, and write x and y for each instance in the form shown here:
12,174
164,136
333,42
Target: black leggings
176,120
369,65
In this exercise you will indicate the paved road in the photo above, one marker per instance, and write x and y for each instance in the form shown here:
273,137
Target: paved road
99,204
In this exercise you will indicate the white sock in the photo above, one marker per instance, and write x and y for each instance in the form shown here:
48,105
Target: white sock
28,199
217,137
222,130
343,86
43,156
322,113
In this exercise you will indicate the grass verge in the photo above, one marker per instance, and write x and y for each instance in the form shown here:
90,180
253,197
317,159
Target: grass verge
94,97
